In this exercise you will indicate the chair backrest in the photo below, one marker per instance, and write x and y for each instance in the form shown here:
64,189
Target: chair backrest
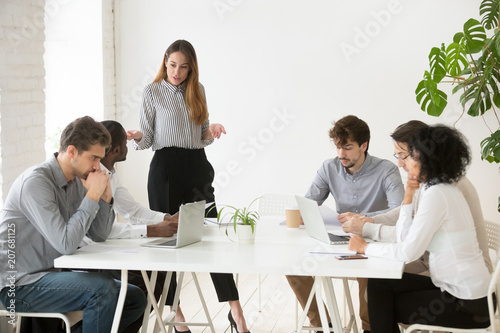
275,203
493,236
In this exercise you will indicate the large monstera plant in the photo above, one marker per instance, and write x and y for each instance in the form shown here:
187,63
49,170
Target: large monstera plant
472,64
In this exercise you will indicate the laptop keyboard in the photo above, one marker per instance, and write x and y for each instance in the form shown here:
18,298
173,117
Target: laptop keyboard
338,239
172,242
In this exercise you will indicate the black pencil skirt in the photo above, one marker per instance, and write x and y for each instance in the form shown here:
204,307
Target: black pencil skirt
178,176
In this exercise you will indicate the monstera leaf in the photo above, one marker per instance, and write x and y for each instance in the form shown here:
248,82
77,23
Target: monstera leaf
490,10
437,63
456,60
490,148
431,99
472,62
475,36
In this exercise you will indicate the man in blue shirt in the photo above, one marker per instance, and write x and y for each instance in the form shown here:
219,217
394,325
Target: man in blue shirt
359,183
48,211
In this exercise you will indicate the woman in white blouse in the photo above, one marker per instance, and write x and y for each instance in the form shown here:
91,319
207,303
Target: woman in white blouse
455,293
174,123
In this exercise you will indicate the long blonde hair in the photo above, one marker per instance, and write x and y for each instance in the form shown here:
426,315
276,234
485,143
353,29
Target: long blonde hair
195,100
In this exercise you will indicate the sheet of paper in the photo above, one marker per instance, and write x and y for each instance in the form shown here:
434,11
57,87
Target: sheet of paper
332,249
330,217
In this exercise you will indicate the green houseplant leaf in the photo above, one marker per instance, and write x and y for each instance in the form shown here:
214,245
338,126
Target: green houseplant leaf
475,36
490,11
236,216
476,77
490,148
437,63
456,59
431,99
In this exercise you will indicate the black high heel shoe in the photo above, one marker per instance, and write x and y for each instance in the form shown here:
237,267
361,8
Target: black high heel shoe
176,331
233,323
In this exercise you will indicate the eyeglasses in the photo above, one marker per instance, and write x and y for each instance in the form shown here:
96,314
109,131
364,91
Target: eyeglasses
402,159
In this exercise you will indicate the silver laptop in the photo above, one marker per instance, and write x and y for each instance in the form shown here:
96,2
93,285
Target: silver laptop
190,229
314,223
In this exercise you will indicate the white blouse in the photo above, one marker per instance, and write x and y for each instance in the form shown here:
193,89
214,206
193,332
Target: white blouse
443,226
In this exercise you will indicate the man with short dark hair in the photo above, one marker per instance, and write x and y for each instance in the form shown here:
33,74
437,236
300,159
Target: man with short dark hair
359,183
49,209
141,221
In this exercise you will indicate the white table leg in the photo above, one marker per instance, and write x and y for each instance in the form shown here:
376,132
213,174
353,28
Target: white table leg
352,325
316,290
302,318
121,301
145,319
151,296
321,308
180,278
202,299
331,303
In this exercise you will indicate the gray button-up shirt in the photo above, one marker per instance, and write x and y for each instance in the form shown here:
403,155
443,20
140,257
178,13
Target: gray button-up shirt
45,216
374,189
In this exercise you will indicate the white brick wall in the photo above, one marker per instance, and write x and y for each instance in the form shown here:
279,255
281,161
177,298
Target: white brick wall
108,50
22,83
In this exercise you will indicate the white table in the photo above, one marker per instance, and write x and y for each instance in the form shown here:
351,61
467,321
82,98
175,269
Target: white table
277,250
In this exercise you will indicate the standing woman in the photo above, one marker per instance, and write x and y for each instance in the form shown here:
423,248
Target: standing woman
455,294
174,122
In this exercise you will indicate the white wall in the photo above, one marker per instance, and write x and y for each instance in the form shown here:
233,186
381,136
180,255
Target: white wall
278,72
74,65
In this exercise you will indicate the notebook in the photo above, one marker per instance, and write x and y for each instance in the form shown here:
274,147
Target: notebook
314,223
190,229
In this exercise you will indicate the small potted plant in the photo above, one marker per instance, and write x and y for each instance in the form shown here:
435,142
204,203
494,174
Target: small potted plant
242,219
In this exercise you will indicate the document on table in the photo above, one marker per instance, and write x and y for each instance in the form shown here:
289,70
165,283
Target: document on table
333,249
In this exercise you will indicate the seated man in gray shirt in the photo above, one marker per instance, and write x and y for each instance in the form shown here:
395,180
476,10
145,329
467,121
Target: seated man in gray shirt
359,183
48,211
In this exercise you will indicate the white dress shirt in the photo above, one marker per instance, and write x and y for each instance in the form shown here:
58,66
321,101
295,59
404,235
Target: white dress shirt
443,225
383,229
137,216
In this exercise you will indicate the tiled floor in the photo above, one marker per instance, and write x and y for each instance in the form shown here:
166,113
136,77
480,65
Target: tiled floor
277,314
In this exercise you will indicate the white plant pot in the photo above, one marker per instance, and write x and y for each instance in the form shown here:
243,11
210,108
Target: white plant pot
245,234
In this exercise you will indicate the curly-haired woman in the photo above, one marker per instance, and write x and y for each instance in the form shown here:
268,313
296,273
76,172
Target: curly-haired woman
455,293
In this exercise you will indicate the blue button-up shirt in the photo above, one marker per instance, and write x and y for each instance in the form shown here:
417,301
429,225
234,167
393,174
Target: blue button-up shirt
374,189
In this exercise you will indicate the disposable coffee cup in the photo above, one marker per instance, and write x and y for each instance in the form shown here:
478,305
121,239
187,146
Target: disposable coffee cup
292,217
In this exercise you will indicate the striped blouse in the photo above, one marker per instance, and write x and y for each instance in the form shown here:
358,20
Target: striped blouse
164,120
